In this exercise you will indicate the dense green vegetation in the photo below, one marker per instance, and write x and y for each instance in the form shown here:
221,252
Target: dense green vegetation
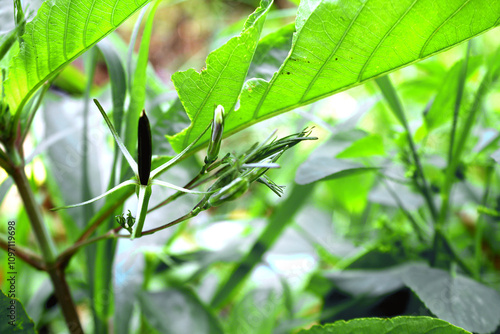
373,208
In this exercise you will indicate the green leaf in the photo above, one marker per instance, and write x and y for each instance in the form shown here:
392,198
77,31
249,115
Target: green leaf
119,142
326,168
362,40
110,191
385,326
61,31
177,311
457,299
20,322
248,315
441,110
277,224
369,283
364,147
221,82
138,84
271,52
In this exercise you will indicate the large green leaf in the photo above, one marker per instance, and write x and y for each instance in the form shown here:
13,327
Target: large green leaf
14,317
339,44
319,168
177,311
457,299
386,326
278,221
61,31
221,82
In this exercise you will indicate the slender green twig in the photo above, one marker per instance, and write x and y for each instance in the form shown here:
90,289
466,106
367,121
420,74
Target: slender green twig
392,98
104,213
64,257
416,227
464,134
481,224
458,101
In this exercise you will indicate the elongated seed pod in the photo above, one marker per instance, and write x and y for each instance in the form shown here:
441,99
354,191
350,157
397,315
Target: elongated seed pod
144,149
216,138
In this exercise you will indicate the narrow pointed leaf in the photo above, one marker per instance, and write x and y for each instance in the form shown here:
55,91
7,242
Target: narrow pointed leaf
119,142
173,186
277,223
112,190
169,163
138,83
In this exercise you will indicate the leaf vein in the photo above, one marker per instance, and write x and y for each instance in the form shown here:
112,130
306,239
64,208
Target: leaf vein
370,57
84,37
440,26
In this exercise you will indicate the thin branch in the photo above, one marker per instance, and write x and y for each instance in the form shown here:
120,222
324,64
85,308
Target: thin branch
103,214
408,215
23,253
172,223
63,258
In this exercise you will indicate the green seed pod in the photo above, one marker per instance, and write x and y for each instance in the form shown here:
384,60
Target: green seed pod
230,192
215,140
144,149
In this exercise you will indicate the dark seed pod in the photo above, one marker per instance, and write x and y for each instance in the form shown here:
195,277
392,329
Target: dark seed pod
144,149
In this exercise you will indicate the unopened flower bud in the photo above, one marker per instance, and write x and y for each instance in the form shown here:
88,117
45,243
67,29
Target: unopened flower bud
216,138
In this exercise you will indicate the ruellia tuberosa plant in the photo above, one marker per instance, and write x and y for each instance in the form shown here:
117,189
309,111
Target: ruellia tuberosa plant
231,176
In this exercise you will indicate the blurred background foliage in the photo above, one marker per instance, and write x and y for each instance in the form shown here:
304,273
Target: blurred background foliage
280,256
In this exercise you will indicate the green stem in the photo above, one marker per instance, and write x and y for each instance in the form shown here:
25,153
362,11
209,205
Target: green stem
395,104
481,224
48,250
65,256
142,208
458,101
416,227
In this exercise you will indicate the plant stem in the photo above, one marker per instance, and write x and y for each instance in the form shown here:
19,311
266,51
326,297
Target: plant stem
395,104
458,101
31,206
65,256
48,250
420,234
24,254
104,213
172,223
